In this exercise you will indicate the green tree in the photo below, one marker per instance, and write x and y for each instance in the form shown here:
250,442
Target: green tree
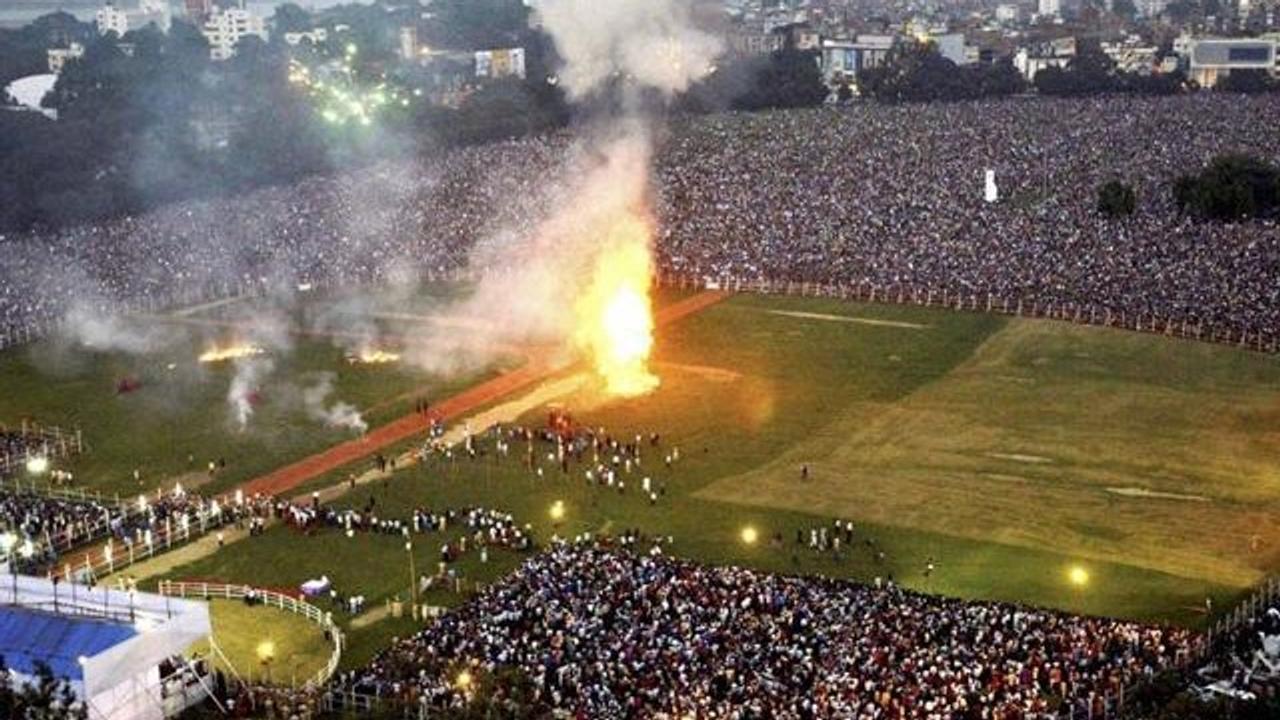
289,17
1248,82
1232,187
1117,199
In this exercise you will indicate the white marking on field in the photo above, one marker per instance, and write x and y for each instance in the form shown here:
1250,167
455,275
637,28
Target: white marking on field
194,309
1134,492
705,372
1019,457
849,319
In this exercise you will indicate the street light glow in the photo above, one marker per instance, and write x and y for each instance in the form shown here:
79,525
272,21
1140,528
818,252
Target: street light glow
1078,576
464,680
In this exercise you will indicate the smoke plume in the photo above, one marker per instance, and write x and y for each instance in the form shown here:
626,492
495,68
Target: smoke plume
534,279
338,415
652,44
245,385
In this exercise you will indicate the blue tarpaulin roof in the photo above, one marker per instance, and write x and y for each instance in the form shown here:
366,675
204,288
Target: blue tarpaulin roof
30,636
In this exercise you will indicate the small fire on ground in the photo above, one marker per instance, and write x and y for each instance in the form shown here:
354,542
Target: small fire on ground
373,357
231,352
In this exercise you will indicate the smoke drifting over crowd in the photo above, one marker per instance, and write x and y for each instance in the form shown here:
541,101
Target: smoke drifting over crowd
581,279
576,282
654,45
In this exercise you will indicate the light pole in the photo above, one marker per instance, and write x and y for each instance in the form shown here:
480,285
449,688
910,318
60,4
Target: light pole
413,581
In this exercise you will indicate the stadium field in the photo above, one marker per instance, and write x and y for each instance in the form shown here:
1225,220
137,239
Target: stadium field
177,419
1005,452
244,633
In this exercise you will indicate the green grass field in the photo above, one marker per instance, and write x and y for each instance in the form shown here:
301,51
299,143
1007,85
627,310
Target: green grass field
1004,451
179,420
297,647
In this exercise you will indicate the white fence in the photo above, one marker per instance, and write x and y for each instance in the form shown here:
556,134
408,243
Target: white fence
111,557
1083,314
269,598
53,442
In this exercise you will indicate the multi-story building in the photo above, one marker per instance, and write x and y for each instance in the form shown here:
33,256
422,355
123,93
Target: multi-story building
110,19
844,60
59,57
1212,59
1049,8
1041,56
224,29
408,42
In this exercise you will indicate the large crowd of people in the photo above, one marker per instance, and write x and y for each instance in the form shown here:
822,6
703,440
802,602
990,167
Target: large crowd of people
873,194
607,633
1244,660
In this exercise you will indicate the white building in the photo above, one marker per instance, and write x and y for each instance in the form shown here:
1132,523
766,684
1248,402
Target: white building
843,60
507,62
224,29
1050,8
314,36
109,19
1007,14
1210,60
1041,56
58,57
408,42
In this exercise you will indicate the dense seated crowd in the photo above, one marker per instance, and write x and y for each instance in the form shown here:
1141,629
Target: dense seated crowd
1244,662
872,194
607,633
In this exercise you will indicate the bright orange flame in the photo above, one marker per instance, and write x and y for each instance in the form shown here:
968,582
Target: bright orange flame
221,354
615,316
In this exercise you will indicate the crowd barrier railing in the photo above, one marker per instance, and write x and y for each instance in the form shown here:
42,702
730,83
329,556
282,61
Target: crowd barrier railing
268,598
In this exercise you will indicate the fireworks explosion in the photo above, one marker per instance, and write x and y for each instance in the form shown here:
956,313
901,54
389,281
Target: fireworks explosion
231,352
615,315
342,98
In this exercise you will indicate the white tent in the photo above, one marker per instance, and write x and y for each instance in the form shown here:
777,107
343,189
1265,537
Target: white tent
107,643
29,91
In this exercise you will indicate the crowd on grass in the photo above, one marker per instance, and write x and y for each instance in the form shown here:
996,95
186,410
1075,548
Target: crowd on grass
609,633
877,195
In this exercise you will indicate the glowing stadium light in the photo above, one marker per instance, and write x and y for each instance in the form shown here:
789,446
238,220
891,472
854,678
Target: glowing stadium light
464,681
1078,576
557,510
750,535
266,651
38,465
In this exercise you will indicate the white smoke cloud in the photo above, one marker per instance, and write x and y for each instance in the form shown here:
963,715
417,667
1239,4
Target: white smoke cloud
535,277
338,415
112,333
654,43
245,386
